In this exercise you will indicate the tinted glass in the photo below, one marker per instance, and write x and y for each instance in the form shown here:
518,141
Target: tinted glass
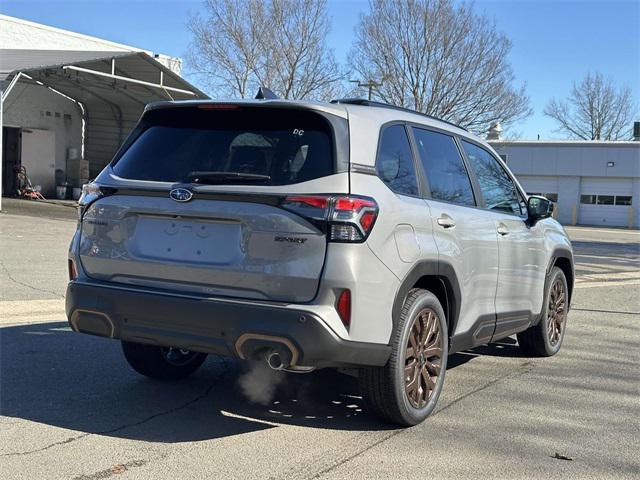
605,199
446,173
497,188
395,162
289,146
623,200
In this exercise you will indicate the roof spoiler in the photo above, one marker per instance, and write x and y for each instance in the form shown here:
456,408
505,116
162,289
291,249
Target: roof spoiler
265,94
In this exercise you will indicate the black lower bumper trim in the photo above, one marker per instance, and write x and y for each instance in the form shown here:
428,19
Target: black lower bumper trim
209,325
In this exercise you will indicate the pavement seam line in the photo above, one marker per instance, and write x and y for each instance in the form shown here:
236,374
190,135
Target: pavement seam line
524,368
128,425
595,310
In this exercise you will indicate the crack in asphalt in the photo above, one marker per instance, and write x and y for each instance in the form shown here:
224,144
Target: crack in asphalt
22,284
114,470
199,397
524,368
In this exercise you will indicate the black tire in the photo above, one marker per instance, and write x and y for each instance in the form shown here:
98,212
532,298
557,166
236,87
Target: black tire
545,338
162,363
385,389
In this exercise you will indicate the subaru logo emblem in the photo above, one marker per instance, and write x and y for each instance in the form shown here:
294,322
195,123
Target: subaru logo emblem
181,195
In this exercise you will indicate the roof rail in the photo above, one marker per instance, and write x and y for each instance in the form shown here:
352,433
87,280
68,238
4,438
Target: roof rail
371,103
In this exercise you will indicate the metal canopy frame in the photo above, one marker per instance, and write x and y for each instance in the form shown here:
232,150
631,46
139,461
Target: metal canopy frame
110,92
127,79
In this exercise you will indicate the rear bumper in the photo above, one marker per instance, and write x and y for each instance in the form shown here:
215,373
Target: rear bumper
224,327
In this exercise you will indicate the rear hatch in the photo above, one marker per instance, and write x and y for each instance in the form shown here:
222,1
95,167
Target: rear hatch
206,199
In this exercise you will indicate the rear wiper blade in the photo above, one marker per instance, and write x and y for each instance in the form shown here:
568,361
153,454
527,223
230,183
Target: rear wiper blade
212,177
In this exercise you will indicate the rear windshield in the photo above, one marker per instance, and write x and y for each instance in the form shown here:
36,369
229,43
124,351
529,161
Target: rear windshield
274,146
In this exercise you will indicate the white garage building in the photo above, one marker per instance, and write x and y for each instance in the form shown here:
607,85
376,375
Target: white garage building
592,182
69,100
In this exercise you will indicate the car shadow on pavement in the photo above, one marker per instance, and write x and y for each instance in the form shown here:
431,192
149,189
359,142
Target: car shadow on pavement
53,376
506,347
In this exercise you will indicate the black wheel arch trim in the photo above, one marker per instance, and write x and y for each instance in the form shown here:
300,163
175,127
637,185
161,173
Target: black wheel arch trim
485,329
446,274
558,252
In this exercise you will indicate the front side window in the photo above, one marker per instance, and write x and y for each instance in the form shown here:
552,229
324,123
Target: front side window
395,161
443,165
497,188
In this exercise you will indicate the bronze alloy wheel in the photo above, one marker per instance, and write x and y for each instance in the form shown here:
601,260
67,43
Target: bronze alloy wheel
556,312
423,357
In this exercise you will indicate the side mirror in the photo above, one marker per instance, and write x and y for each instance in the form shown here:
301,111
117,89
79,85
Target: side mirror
539,208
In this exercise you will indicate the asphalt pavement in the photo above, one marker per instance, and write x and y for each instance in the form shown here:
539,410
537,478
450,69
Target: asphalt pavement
70,407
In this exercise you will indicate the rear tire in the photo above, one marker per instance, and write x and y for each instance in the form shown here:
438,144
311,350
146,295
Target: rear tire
162,363
405,391
545,338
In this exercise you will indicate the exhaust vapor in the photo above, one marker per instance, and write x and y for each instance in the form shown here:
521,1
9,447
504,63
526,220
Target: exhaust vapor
260,382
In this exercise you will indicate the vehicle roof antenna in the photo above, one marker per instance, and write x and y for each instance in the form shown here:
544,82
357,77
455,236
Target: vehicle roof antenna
265,94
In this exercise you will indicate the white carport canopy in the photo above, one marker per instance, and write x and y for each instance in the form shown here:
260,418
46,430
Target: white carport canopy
110,88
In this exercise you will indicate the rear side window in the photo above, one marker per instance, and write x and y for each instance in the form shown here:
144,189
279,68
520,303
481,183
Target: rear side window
446,173
279,146
395,161
497,188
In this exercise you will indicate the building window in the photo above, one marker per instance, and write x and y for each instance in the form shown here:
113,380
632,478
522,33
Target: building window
549,196
622,200
504,157
605,200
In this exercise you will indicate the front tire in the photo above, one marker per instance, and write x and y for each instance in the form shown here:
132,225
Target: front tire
162,363
405,391
545,338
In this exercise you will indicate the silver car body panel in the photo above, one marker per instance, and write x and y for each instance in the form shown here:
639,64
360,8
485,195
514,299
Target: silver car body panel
210,247
471,247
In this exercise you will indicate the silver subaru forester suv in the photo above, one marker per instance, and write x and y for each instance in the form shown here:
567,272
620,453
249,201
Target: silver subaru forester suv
310,235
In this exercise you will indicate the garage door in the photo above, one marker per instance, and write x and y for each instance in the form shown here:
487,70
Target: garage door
545,186
539,185
605,201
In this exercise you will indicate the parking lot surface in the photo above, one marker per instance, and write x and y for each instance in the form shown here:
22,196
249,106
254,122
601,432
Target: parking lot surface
72,408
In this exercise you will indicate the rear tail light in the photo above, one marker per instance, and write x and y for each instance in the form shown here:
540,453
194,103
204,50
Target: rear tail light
90,193
344,307
350,218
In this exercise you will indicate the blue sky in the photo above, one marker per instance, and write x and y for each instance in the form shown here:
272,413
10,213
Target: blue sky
554,42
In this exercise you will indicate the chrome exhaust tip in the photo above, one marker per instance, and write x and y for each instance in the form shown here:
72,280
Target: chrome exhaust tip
275,361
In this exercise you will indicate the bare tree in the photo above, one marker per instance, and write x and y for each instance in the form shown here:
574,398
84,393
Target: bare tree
595,110
241,44
440,59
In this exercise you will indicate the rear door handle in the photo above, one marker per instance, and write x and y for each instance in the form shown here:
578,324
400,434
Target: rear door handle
502,229
445,221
